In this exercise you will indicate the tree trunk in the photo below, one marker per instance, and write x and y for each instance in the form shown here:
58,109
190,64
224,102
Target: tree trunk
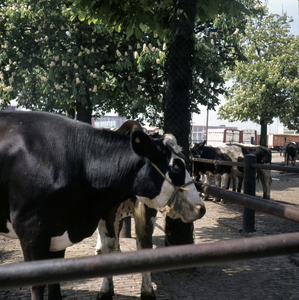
176,104
263,141
84,115
84,112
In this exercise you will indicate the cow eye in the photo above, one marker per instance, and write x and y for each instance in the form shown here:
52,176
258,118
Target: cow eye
178,166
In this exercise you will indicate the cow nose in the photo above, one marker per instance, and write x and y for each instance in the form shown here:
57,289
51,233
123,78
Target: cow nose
202,211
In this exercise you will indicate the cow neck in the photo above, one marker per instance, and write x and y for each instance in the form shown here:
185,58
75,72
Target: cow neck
176,188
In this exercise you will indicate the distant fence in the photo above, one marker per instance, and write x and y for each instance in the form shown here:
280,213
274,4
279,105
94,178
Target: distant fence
169,258
250,167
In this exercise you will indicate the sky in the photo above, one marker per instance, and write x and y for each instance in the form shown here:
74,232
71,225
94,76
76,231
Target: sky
277,7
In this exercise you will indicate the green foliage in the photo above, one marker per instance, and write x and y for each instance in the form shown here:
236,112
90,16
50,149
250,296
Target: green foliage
156,15
50,62
108,60
266,84
216,39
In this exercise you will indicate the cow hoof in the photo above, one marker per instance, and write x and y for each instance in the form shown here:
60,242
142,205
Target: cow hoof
216,200
148,296
104,296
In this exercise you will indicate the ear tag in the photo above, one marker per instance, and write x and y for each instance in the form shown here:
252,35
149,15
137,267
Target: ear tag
137,140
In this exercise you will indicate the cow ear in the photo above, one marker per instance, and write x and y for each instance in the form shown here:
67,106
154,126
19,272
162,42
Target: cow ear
143,145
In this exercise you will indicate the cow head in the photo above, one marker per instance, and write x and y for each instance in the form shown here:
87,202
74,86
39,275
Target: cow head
163,182
197,149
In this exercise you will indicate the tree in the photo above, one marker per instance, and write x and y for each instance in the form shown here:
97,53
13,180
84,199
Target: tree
131,84
50,62
177,103
67,66
266,84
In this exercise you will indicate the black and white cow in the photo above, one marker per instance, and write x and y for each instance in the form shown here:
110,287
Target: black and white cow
263,156
208,171
59,177
292,152
111,224
236,153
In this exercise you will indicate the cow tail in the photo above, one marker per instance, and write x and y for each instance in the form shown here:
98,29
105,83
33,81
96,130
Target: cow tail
140,219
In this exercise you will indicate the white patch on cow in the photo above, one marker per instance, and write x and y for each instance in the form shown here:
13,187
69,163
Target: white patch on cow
106,245
153,221
109,244
106,285
146,286
59,243
11,233
125,209
190,200
161,200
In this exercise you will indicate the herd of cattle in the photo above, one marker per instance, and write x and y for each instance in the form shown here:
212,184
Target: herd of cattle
61,179
223,174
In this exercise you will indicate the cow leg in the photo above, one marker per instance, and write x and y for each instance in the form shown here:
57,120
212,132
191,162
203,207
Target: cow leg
265,178
217,184
54,290
240,182
145,219
224,182
107,231
208,180
35,245
233,178
228,182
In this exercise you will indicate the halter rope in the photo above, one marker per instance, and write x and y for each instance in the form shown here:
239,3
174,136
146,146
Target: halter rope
176,188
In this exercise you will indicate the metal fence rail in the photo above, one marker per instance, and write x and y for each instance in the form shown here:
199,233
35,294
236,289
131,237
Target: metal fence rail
284,211
250,205
169,258
241,164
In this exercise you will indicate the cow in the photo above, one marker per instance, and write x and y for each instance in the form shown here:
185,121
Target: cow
292,152
111,224
221,173
263,155
59,177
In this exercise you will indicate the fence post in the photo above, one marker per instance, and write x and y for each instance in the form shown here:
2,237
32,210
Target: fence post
284,148
249,189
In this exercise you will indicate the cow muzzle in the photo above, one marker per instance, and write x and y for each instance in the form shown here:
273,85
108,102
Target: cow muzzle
179,208
177,205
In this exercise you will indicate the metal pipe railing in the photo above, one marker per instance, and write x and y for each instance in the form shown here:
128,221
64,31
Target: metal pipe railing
169,258
276,168
284,211
218,162
241,164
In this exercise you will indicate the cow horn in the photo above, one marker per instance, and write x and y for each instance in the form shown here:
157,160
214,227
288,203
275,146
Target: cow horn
170,146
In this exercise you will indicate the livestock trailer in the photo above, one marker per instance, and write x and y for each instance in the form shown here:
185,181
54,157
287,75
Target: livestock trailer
248,136
220,136
276,140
